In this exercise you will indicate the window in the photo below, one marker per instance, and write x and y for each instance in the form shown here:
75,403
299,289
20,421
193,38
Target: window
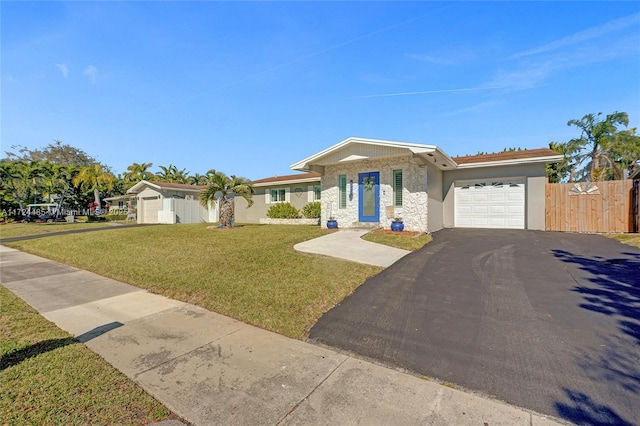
278,195
317,191
397,188
342,187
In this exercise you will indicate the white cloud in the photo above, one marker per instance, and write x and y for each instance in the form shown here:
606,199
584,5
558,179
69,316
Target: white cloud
91,72
453,56
582,36
64,69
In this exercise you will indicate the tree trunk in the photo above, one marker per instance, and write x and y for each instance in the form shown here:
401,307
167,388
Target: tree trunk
225,212
96,197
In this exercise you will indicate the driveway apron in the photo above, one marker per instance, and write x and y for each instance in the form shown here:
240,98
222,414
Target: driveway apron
547,321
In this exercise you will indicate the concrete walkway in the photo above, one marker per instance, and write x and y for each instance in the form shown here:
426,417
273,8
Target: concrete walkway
347,244
211,369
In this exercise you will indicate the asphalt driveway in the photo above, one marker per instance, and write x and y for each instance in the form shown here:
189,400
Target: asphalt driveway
547,321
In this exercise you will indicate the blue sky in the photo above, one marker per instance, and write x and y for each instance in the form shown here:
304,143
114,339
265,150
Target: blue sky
252,87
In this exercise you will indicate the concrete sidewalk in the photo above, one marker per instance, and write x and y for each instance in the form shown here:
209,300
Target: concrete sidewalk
211,369
347,244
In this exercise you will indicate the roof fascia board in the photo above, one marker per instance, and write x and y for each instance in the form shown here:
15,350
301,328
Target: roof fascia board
413,147
287,182
512,162
135,188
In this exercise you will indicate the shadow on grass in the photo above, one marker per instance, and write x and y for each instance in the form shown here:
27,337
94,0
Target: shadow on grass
610,287
31,351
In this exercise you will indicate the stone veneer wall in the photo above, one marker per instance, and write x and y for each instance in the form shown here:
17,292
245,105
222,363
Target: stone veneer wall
414,196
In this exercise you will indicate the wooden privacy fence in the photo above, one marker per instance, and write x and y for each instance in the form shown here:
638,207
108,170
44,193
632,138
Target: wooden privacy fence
590,206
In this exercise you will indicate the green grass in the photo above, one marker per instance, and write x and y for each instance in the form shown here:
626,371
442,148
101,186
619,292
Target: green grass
631,239
405,242
250,273
47,377
11,230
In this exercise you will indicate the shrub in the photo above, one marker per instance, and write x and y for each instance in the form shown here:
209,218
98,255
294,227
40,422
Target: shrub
283,211
312,210
111,217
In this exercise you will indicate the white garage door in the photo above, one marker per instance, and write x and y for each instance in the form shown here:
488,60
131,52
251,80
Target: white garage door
150,209
490,204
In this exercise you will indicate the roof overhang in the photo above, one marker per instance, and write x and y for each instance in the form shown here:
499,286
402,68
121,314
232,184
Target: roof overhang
423,154
287,182
512,162
138,187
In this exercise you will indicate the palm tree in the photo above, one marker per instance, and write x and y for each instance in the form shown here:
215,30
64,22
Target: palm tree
595,154
137,172
21,178
224,189
197,179
172,174
94,178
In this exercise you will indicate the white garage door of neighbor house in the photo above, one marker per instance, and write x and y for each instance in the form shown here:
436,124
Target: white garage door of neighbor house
490,204
150,209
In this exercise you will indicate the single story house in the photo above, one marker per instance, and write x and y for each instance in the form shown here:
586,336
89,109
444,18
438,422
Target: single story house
299,190
165,202
368,182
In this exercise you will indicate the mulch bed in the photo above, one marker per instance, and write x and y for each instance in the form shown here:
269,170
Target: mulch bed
390,232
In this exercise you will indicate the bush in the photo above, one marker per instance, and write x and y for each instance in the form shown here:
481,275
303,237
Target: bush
312,210
283,211
93,218
111,217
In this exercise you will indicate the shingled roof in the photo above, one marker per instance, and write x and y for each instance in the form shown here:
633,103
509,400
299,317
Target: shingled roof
287,178
506,156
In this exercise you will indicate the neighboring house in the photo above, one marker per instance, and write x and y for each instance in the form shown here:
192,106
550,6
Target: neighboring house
164,202
368,182
121,203
299,190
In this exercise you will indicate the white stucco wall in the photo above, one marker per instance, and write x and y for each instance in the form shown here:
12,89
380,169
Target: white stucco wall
415,200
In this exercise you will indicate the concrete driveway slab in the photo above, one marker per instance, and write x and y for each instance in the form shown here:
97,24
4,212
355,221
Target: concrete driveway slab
153,340
248,377
347,244
363,393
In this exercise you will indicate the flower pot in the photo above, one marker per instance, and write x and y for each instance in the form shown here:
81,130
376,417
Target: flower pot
332,224
397,226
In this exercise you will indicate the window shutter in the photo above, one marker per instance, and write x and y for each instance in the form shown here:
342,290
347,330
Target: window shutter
287,195
397,188
310,193
267,196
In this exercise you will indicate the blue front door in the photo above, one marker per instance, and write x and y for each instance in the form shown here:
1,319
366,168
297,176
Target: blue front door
369,197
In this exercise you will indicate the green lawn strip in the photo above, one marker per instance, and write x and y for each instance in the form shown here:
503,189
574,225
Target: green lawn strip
250,273
630,239
399,241
47,377
11,230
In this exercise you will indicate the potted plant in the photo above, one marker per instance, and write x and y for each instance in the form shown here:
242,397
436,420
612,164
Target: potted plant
397,225
332,223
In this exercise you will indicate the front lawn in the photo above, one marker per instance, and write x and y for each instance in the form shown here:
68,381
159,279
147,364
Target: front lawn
250,273
404,240
47,377
631,239
11,230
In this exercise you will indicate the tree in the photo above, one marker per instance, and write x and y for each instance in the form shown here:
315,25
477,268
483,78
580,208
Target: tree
94,178
172,174
602,152
222,189
56,152
21,179
137,172
557,172
198,179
